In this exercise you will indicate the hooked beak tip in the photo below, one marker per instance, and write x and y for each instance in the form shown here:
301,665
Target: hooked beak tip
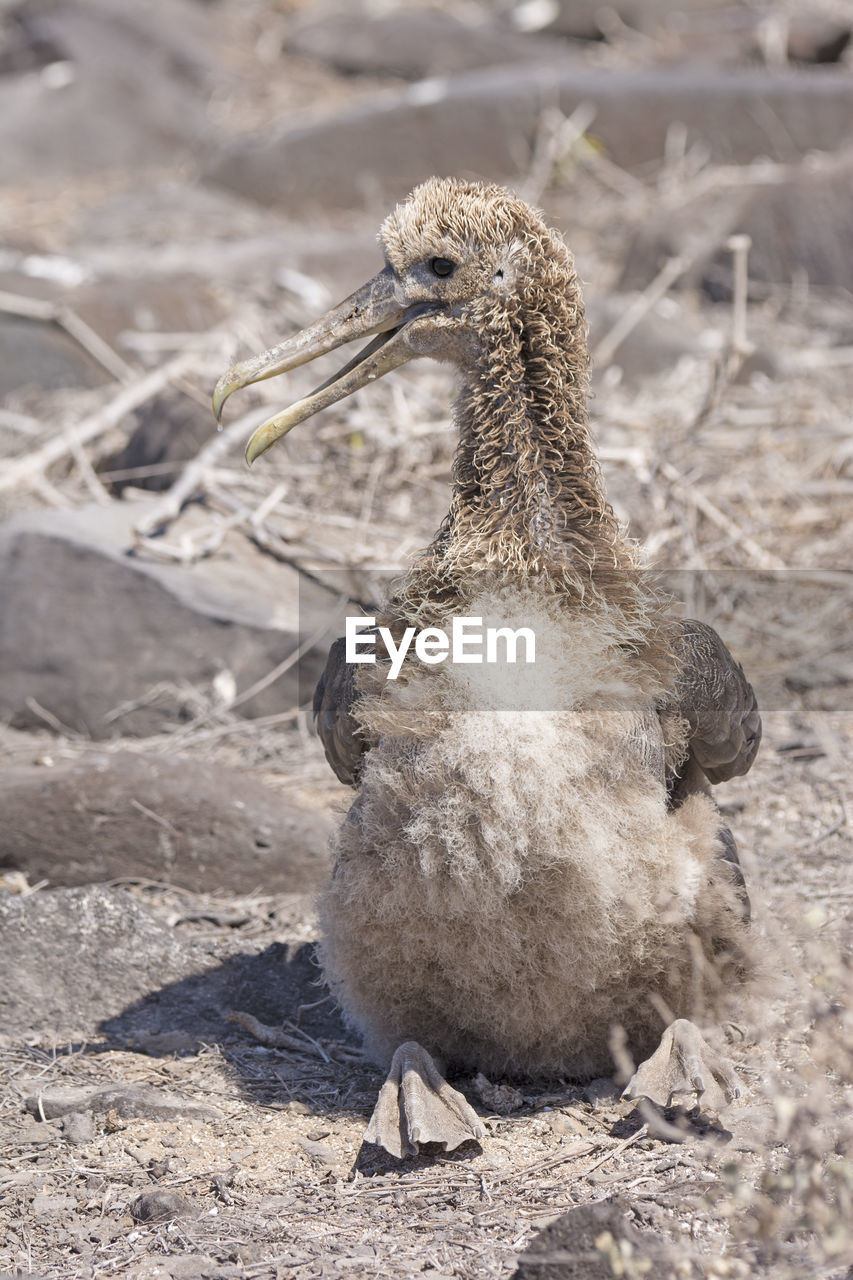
254,449
265,436
223,389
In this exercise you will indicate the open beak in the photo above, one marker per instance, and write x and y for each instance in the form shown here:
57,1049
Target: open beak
372,309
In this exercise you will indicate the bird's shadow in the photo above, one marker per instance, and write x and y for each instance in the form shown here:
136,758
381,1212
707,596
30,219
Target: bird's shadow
279,984
282,988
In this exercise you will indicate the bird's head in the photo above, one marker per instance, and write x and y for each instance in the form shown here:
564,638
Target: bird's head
467,266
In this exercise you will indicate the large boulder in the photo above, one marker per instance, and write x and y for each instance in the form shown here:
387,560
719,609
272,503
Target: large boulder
410,43
484,124
75,956
109,641
196,825
175,302
38,353
103,85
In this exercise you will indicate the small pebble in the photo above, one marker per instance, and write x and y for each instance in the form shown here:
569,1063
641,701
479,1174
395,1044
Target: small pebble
297,1108
503,1099
318,1151
78,1128
602,1092
161,1206
561,1123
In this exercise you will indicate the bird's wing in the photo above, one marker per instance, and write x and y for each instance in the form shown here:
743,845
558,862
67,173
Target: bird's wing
334,701
715,698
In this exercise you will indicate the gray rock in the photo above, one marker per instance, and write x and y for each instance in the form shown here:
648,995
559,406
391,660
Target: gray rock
193,1266
803,226
587,19
570,19
162,1206
40,354
502,1099
800,225
320,1152
165,1043
817,38
831,672
78,1128
483,124
167,214
602,1092
584,1244
651,349
35,354
24,46
410,43
126,86
196,825
169,431
87,962
812,37
73,957
128,1101
175,302
87,625
753,1126
53,1204
45,1133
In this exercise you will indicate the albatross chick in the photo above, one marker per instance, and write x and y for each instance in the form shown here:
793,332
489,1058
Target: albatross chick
533,861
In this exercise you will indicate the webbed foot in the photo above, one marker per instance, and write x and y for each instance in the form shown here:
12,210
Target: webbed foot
684,1063
416,1105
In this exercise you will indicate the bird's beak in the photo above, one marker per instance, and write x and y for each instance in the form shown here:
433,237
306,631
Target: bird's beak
372,309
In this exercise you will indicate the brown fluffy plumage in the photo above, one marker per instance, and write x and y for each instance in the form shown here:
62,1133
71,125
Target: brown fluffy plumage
526,864
527,489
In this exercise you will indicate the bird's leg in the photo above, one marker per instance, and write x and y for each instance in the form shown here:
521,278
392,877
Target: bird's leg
684,1063
417,1105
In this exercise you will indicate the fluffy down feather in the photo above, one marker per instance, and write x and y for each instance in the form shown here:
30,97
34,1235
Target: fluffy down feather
510,883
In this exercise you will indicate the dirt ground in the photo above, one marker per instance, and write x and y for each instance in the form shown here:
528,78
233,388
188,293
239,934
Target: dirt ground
277,1183
732,461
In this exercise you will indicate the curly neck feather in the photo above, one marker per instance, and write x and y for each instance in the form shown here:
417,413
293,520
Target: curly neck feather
528,495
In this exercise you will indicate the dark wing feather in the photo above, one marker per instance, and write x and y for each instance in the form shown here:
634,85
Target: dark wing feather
718,703
334,700
712,694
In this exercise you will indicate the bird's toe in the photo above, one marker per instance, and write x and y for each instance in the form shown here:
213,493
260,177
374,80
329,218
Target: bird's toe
416,1105
685,1064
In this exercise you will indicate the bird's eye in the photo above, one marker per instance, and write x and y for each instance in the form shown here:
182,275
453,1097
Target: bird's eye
441,266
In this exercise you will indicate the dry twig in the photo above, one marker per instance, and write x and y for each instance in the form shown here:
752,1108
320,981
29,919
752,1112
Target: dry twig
632,315
58,313
28,469
192,478
693,495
